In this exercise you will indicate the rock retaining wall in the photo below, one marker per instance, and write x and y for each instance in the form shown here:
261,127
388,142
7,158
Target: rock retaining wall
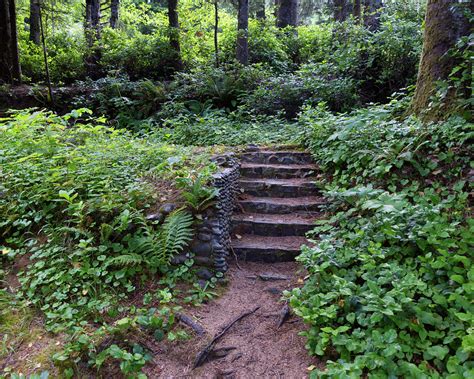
212,243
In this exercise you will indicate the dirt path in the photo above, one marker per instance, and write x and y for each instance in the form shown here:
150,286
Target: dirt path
262,350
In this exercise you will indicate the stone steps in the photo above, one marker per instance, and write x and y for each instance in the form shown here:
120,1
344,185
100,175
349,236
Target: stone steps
267,249
280,171
276,225
277,157
270,187
279,204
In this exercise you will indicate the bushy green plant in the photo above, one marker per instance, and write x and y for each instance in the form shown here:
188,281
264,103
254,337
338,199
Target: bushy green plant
74,197
311,84
218,127
391,276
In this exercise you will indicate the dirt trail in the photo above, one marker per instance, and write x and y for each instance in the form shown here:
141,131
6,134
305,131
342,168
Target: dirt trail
262,350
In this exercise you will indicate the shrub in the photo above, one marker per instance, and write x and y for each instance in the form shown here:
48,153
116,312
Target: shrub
390,285
73,200
311,84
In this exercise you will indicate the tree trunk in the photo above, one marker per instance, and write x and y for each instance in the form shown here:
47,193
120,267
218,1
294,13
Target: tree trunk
35,35
260,14
92,21
372,10
10,71
216,30
356,11
174,30
114,13
242,51
287,13
444,25
341,10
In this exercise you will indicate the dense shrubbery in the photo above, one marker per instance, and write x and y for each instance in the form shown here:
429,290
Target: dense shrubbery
216,127
390,285
73,200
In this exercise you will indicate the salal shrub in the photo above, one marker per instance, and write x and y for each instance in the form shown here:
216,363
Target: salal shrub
391,279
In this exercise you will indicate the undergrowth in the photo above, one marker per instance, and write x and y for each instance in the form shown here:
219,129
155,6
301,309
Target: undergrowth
390,284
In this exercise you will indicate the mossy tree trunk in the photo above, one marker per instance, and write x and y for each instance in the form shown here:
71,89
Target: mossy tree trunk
445,23
35,33
242,50
174,31
10,71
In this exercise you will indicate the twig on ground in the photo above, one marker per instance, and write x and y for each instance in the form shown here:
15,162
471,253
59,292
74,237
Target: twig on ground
203,355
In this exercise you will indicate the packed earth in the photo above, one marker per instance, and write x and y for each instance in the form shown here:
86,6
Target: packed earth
236,189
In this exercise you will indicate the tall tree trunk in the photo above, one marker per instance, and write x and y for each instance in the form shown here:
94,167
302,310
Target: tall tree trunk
356,11
444,25
216,30
10,71
372,10
242,50
287,13
92,21
174,30
114,13
260,14
341,10
35,34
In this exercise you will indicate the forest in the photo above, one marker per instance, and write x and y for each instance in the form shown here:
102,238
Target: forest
236,189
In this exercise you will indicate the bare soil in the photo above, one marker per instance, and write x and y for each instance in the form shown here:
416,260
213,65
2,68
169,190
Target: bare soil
260,349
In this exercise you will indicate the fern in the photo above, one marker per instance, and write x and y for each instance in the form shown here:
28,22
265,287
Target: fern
174,236
131,259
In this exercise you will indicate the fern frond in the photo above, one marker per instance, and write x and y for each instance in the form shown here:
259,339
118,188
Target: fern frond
125,260
174,235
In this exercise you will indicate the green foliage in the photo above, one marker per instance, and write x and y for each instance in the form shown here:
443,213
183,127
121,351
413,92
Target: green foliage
119,342
390,285
217,127
74,196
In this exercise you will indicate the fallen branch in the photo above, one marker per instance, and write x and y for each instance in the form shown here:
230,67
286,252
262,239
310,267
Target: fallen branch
203,355
268,276
189,322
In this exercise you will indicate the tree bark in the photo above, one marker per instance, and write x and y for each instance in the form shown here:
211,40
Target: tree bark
35,34
92,27
174,30
444,25
357,11
10,71
372,10
260,14
242,50
114,13
287,13
341,10
216,30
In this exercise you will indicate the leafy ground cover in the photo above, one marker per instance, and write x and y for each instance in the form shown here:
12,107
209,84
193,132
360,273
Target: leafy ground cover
391,278
74,200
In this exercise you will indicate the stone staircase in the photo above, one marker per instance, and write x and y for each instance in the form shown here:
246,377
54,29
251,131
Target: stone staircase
278,205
